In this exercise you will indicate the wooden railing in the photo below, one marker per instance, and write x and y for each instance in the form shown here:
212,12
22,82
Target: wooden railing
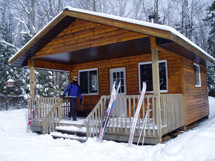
172,115
172,112
122,116
43,107
94,119
53,118
65,106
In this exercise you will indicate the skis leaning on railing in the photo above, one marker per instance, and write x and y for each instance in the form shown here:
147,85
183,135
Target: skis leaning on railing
112,99
143,130
133,127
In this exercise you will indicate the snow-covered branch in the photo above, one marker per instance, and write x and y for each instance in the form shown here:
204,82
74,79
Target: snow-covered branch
8,44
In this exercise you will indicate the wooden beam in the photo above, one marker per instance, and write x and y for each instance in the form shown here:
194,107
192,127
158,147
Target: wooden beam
155,66
156,81
32,79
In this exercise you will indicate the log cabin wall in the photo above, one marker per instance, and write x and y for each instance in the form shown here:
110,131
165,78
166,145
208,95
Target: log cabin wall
196,98
174,64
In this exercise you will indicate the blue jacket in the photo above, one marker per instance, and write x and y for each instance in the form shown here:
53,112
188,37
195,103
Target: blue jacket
75,90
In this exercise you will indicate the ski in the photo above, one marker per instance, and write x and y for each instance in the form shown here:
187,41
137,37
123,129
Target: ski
133,127
112,99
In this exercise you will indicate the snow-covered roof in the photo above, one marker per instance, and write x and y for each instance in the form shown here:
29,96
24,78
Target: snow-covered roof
173,34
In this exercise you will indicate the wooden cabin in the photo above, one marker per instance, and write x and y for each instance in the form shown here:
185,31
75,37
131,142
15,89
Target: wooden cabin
101,49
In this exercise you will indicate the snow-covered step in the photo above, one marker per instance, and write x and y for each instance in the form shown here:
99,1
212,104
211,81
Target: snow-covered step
79,123
67,136
79,131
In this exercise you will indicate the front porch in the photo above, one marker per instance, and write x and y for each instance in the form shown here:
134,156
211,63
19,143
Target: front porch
50,112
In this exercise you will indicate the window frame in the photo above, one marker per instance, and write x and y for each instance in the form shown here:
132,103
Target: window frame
150,62
199,75
88,70
123,69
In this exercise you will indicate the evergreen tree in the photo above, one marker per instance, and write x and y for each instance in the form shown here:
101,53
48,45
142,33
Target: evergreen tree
210,19
7,49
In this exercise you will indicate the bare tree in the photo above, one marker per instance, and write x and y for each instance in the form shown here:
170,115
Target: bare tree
119,8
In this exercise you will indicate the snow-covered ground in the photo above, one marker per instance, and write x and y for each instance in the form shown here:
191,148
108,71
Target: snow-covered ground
16,145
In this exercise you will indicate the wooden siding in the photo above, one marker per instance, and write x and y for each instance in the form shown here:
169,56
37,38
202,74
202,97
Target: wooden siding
174,63
84,34
196,98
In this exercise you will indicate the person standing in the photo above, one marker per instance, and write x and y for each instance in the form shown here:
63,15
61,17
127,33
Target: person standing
74,92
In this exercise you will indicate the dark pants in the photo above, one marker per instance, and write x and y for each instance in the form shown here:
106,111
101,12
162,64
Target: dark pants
73,108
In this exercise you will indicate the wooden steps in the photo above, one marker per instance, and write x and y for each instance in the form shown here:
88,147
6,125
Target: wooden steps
74,130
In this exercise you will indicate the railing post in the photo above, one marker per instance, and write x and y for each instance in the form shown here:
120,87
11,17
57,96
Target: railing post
60,109
156,80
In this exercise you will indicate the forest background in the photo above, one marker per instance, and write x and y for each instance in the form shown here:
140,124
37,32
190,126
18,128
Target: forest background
20,20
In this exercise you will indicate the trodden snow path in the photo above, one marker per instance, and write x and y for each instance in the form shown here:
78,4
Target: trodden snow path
16,145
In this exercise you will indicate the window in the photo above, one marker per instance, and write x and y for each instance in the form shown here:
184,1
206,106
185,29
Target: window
88,80
118,75
145,75
197,75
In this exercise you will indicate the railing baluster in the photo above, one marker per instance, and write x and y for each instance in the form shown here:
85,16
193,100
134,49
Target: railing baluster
121,113
96,119
148,121
113,120
126,114
153,114
129,113
139,117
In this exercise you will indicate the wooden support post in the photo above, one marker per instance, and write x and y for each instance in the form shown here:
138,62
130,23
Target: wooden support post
32,79
156,81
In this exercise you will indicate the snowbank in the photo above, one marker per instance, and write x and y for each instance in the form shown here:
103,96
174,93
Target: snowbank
13,121
16,144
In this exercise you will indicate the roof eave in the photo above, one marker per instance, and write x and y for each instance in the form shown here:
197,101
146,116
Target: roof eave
195,50
164,32
36,37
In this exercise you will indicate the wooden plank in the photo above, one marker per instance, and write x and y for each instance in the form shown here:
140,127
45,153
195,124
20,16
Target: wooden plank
195,98
117,37
87,34
120,24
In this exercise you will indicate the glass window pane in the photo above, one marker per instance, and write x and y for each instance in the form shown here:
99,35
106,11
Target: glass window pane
122,75
122,89
114,75
93,82
122,82
146,76
118,74
163,80
197,75
84,82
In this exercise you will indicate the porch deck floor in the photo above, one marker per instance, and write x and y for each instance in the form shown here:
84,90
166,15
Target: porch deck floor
113,123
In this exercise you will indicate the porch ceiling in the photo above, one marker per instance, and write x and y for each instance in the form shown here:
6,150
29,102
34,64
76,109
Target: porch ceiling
121,49
110,51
